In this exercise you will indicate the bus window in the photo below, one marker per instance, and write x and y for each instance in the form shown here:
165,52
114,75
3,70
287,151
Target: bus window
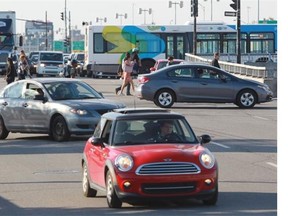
170,46
180,48
261,42
149,43
208,43
98,43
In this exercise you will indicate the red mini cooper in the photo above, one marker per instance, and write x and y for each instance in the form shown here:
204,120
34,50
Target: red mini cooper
138,154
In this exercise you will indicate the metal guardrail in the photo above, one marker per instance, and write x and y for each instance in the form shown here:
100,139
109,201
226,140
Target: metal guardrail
245,70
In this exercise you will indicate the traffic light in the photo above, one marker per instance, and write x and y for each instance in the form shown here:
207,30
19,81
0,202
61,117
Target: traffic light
234,5
67,41
62,15
194,8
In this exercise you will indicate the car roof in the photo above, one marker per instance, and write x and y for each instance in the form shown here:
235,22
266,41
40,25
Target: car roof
51,52
51,80
136,113
165,60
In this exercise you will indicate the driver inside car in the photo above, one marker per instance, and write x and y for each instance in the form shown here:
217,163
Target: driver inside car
166,133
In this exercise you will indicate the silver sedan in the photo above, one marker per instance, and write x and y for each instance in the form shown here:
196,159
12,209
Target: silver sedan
59,107
200,83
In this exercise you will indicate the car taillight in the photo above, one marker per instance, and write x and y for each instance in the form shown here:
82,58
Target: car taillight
143,79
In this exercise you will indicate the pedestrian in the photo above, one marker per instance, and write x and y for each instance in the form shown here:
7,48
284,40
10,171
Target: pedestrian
170,61
22,53
137,61
215,62
73,69
70,70
136,67
127,66
11,71
23,67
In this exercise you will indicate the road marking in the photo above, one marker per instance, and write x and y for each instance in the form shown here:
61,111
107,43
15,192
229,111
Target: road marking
271,164
259,117
218,144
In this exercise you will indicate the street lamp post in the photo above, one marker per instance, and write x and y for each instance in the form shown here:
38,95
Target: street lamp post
145,10
175,3
121,15
212,8
101,19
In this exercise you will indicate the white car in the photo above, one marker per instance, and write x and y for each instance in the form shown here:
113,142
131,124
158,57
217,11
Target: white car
50,63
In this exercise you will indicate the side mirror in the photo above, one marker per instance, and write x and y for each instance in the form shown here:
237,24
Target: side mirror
40,98
96,141
152,69
205,139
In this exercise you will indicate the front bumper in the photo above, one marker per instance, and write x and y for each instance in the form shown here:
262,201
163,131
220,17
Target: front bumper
166,187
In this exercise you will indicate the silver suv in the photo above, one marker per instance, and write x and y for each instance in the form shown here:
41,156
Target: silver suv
50,63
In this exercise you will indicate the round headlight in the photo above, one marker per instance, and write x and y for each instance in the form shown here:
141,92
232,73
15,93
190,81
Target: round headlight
124,162
207,160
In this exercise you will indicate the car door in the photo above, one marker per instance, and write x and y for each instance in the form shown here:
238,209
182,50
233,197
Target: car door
98,155
35,113
11,106
184,84
215,85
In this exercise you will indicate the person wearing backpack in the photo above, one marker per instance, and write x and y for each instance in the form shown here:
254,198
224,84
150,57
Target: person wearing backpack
11,71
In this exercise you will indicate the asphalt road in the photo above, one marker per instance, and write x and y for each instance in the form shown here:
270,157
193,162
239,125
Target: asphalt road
42,177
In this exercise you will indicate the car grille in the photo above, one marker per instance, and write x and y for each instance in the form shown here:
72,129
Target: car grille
169,188
168,168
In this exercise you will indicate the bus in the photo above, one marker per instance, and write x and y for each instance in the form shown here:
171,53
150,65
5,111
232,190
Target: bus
106,45
258,38
7,38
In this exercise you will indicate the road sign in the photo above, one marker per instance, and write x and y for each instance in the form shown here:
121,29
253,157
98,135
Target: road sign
58,46
230,13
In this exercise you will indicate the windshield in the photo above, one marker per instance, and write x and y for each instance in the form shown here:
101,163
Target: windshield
141,131
51,56
71,91
80,57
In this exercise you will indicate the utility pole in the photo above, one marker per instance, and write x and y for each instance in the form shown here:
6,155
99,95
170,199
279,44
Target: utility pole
194,13
70,35
236,6
46,40
238,32
65,19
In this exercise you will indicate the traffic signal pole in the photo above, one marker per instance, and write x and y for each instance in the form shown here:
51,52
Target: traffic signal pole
236,6
65,20
194,13
238,32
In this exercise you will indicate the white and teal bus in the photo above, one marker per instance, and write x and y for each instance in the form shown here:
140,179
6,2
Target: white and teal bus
106,45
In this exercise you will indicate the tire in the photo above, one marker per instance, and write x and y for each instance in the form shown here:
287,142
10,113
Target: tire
3,130
213,199
164,98
59,129
246,99
87,190
112,200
